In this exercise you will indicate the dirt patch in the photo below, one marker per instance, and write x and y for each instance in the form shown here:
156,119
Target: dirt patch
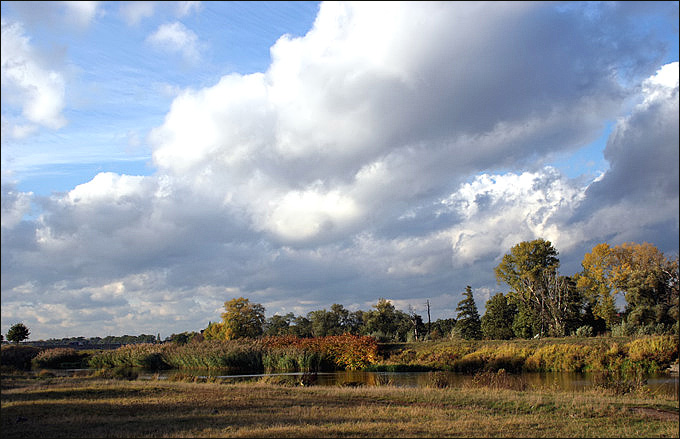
662,415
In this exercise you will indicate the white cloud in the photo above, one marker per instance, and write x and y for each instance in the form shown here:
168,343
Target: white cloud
498,211
134,12
186,8
28,83
15,205
175,37
82,12
300,215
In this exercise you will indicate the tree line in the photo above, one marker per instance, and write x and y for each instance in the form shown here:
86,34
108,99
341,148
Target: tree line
540,302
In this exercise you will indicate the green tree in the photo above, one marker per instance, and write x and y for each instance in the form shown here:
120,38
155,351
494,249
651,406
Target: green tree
649,281
530,269
279,325
468,321
441,328
18,333
498,317
355,322
383,321
242,319
301,327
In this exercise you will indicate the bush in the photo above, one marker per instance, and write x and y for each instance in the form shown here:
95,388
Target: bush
559,358
657,351
59,358
17,356
584,331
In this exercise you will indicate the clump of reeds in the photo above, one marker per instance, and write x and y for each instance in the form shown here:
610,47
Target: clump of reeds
498,380
437,379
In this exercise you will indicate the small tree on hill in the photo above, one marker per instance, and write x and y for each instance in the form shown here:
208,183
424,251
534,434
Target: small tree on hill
468,322
18,333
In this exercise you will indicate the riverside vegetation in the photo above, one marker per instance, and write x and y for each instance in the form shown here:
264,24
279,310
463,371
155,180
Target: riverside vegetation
496,403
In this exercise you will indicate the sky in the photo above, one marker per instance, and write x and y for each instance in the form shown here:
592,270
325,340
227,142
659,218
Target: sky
162,158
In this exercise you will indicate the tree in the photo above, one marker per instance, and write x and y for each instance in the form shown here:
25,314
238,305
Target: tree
441,328
387,323
529,269
18,333
596,283
649,281
301,327
214,331
278,325
641,273
242,319
468,322
355,322
498,317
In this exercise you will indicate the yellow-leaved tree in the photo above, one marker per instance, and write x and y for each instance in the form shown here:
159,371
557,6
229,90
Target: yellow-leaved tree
242,319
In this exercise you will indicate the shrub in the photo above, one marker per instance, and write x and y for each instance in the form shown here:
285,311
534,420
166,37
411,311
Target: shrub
659,351
17,356
584,331
559,358
59,358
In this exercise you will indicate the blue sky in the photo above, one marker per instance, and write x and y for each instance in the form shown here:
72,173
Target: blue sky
161,158
120,84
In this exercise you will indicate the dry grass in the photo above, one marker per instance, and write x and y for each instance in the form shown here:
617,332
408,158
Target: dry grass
95,407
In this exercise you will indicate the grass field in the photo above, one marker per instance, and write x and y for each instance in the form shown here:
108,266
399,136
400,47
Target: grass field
96,407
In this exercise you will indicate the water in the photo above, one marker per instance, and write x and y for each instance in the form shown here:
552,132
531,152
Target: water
661,383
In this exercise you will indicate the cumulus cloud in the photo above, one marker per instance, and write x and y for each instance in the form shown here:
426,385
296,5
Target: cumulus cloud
30,84
393,151
499,211
637,198
15,205
175,37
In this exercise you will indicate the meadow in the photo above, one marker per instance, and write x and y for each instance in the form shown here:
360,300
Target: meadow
92,406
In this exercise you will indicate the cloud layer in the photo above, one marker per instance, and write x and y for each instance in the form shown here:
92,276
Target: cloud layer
394,151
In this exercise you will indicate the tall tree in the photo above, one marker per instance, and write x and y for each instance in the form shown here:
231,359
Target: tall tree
387,323
278,325
498,317
595,281
18,333
528,269
242,319
646,278
468,321
649,281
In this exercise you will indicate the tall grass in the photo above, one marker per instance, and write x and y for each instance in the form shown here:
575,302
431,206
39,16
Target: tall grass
596,354
270,354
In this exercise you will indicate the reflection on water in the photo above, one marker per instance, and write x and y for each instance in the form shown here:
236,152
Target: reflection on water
663,383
